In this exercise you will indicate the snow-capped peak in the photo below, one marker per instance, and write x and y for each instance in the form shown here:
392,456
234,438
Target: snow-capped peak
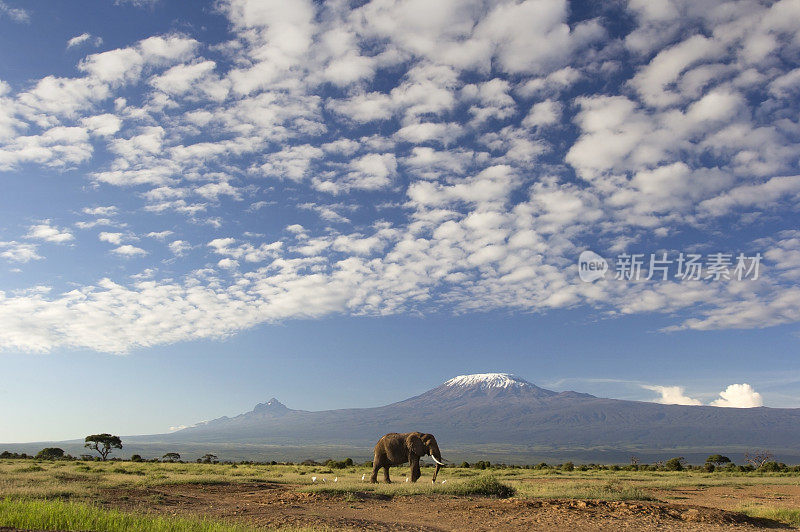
488,380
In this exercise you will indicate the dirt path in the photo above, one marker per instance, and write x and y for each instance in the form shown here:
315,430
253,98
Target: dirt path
279,505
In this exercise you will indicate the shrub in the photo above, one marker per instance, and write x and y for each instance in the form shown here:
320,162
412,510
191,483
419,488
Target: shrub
50,453
771,467
674,464
464,465
485,485
334,464
567,466
136,458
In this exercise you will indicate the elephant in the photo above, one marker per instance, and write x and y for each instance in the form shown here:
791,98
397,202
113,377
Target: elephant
395,449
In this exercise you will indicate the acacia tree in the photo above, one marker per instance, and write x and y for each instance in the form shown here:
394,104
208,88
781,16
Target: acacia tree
718,460
171,457
103,443
757,458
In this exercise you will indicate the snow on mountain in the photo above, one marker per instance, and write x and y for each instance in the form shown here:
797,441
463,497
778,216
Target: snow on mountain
488,380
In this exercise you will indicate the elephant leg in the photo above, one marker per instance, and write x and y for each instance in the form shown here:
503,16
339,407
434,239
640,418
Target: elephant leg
375,467
415,473
436,472
386,474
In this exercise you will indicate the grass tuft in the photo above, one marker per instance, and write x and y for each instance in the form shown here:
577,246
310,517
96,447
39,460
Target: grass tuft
790,516
485,486
606,491
71,516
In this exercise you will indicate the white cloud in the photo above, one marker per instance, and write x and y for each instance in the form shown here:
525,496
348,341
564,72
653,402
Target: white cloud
97,222
454,141
137,3
665,68
108,210
246,251
159,235
429,131
739,396
78,39
365,107
228,264
543,113
83,38
755,195
553,83
103,125
111,238
293,162
129,251
370,172
19,252
326,212
49,233
16,14
213,191
56,147
179,247
672,395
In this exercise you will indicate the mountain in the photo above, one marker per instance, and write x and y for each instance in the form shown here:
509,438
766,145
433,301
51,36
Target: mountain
497,412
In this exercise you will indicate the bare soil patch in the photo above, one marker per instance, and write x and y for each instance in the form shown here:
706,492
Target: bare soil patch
732,497
278,505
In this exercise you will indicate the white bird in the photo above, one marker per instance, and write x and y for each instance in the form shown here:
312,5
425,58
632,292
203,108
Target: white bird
313,479
323,479
364,476
445,480
406,479
336,479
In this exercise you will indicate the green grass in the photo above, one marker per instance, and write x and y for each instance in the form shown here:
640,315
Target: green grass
72,516
790,516
608,491
86,482
484,486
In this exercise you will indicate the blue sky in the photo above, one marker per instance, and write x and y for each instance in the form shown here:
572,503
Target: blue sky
346,203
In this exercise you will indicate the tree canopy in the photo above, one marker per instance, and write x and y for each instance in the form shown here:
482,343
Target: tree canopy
103,443
718,459
50,453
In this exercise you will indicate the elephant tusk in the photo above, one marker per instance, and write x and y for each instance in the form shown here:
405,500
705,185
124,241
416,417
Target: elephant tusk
437,461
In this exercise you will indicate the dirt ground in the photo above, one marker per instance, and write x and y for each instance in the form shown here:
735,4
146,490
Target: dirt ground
277,505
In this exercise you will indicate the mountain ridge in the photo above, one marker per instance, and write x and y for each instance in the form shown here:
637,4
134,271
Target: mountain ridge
501,417
496,409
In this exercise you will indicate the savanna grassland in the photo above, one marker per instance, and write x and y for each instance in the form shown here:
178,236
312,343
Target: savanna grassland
116,496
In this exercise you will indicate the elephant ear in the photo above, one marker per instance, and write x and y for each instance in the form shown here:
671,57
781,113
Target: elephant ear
415,445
